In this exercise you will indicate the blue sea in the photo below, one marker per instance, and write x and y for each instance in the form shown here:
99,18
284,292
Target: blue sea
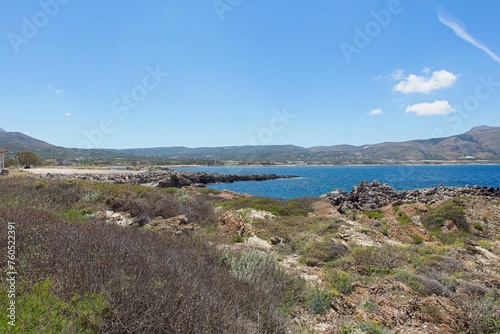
318,180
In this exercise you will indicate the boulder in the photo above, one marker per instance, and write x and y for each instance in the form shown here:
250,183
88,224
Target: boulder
256,242
174,180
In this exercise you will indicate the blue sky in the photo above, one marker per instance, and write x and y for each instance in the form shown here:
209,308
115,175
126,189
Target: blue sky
122,74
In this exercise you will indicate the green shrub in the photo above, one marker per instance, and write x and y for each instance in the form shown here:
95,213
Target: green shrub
383,228
74,216
346,329
422,284
478,226
374,214
91,197
417,239
452,210
373,260
208,191
486,244
369,305
319,252
317,301
372,328
404,219
39,310
340,281
237,239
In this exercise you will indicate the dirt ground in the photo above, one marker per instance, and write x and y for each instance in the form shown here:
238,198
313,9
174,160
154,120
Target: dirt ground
81,171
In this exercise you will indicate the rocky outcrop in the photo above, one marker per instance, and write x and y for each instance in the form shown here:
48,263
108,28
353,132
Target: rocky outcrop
164,178
232,223
374,195
175,225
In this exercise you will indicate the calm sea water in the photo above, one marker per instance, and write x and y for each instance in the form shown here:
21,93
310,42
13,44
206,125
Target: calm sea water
318,180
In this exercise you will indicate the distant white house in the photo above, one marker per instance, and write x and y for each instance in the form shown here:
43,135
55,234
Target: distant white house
2,160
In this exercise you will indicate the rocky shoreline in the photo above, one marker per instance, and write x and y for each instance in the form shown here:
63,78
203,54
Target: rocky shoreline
374,195
164,178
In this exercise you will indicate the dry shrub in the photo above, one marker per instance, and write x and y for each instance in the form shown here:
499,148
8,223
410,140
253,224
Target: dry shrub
375,259
478,314
155,203
153,283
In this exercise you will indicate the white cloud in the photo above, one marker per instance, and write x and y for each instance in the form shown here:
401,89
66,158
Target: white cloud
420,84
426,71
438,107
397,74
68,114
375,112
58,91
459,29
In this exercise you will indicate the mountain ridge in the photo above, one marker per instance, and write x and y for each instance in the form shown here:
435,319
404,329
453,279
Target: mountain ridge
479,143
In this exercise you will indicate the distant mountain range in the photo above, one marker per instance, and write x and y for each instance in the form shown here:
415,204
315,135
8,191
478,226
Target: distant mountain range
480,143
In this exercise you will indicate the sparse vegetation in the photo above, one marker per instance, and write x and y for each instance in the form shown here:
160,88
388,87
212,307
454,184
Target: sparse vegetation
114,266
206,287
278,207
404,219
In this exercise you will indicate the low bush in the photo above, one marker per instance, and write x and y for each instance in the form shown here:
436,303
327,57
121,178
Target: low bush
319,252
156,203
478,314
41,311
404,219
372,260
237,239
383,228
417,239
374,214
339,281
452,210
422,284
317,301
175,283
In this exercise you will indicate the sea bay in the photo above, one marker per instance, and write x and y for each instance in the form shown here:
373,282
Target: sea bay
317,180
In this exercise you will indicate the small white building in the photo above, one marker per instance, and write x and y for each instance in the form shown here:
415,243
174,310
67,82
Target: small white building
2,160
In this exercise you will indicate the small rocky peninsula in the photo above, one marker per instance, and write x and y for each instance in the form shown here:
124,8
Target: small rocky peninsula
164,178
